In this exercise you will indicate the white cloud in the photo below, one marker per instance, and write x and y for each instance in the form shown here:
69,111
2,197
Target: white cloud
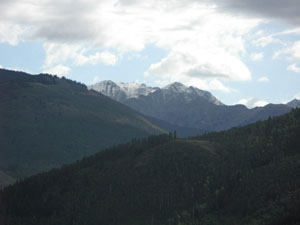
1,67
57,53
252,102
264,41
211,84
297,96
96,79
10,33
106,58
257,56
292,52
211,41
294,68
263,79
59,70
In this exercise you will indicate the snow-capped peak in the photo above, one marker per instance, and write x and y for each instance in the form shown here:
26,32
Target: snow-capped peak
190,92
120,91
176,87
134,90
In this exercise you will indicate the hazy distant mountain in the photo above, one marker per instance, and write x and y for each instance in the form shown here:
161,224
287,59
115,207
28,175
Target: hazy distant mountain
122,91
294,103
191,108
46,121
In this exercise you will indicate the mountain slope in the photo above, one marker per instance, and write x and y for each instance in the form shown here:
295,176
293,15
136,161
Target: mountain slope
121,91
294,103
191,108
124,91
5,180
46,121
244,176
198,112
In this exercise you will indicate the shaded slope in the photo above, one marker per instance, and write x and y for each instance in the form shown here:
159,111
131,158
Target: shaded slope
247,175
46,121
199,113
5,179
189,110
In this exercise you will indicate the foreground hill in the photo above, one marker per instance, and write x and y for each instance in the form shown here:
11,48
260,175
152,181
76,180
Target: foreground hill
190,110
46,121
248,175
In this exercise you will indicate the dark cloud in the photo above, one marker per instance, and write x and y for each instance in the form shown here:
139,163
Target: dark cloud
285,10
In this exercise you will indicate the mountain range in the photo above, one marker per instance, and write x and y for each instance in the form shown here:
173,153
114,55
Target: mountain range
194,110
46,121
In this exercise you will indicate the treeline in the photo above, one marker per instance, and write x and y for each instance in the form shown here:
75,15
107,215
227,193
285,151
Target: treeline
21,78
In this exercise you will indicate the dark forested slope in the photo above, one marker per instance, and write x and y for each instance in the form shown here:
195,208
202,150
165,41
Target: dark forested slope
248,175
46,121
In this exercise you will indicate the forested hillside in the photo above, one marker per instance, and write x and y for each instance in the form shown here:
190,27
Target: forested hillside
244,176
46,121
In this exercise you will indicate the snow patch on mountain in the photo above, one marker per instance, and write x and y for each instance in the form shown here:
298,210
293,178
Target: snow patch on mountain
190,93
121,91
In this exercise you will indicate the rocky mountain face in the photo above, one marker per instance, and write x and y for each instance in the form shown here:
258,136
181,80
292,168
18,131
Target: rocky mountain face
124,91
294,103
121,91
188,107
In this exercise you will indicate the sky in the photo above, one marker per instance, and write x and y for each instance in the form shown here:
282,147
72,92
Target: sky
245,52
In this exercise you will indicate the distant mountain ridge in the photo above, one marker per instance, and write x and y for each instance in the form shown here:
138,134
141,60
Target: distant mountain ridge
123,91
294,103
189,107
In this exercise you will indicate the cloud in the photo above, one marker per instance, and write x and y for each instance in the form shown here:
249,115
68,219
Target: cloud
106,58
204,72
252,102
211,41
1,67
96,79
292,51
58,53
287,11
211,84
263,79
264,41
294,68
257,56
59,70
10,33
297,96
